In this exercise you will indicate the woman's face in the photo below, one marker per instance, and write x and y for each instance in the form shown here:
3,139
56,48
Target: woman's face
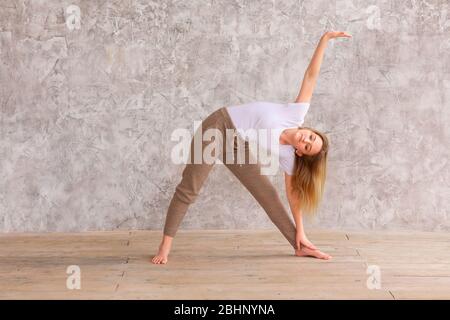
307,142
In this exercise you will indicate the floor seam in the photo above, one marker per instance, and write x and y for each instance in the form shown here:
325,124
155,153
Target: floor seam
392,294
127,259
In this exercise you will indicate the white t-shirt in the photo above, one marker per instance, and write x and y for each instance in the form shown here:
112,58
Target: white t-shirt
273,116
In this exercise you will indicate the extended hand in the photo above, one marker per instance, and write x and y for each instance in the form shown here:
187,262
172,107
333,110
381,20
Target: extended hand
336,34
301,239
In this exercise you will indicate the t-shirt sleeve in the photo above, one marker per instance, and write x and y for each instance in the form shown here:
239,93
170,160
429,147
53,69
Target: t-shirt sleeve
302,106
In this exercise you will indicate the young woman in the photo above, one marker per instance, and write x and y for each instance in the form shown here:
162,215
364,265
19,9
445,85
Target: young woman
302,156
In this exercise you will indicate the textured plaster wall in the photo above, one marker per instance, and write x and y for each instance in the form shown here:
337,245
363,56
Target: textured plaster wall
88,106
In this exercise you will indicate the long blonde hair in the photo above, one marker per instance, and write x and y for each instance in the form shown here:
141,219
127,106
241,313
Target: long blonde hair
310,175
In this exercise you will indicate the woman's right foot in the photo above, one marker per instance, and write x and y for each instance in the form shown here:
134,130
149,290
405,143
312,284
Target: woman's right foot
163,254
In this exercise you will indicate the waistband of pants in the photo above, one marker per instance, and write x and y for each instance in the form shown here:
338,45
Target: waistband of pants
227,118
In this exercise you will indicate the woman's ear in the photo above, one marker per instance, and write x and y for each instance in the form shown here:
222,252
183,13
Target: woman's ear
298,153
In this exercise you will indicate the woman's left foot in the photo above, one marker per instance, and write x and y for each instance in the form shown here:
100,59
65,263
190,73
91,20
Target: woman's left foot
163,254
306,252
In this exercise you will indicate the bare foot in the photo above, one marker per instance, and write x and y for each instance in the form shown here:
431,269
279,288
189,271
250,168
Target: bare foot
163,251
162,256
306,252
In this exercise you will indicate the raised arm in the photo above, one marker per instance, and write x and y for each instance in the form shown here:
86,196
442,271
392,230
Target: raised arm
313,70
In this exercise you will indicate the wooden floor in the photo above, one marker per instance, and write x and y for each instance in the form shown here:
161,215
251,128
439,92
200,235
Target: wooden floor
223,264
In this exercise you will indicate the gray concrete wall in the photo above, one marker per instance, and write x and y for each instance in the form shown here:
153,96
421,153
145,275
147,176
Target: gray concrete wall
87,110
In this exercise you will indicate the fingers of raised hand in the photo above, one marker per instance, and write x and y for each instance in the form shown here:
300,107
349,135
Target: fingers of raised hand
338,34
345,34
